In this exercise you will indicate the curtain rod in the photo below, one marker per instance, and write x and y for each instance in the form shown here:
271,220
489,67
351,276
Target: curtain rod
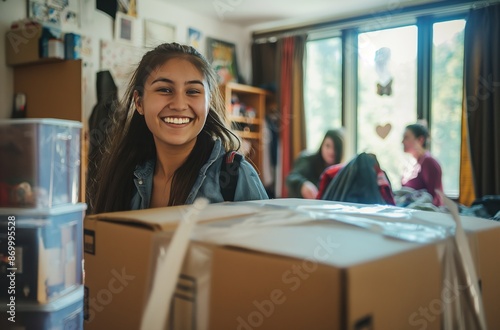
398,16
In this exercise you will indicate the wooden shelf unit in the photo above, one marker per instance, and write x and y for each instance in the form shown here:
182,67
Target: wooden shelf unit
255,98
54,89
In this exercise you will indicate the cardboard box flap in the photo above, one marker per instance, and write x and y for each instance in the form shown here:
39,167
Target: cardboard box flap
382,212
279,228
326,242
271,228
167,218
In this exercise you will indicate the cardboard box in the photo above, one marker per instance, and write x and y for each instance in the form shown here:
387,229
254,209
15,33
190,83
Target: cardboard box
483,236
22,46
484,241
320,275
30,44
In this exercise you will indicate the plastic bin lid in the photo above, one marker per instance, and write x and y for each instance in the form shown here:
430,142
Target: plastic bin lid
56,305
48,211
45,121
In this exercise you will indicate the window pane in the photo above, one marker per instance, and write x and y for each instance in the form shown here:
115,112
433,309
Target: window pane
323,89
387,92
447,86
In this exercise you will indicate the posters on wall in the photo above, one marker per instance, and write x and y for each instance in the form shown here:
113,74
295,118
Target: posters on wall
194,38
64,14
121,60
222,56
127,7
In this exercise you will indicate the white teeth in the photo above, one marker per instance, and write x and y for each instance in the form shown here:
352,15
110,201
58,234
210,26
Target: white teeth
177,121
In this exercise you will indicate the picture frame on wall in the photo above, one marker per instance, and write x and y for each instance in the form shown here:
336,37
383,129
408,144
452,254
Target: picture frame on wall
222,56
124,28
128,7
194,38
156,33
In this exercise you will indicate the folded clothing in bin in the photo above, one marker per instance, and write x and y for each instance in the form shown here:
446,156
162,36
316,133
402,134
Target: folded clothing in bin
63,313
43,251
39,162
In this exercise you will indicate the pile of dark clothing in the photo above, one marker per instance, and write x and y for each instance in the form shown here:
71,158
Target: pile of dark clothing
360,181
487,207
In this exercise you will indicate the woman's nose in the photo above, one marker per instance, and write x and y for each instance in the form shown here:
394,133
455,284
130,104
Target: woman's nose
178,102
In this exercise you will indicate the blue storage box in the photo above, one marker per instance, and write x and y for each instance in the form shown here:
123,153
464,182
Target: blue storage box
63,313
39,162
40,252
72,46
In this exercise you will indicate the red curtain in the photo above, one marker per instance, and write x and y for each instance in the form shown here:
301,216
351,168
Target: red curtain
290,57
286,115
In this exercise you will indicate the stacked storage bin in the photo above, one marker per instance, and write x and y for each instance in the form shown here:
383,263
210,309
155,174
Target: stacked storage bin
41,281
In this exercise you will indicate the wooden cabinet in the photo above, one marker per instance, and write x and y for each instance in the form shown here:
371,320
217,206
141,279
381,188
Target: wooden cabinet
246,111
53,89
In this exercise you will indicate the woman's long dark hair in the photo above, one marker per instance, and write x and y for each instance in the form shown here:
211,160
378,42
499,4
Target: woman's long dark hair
337,137
131,143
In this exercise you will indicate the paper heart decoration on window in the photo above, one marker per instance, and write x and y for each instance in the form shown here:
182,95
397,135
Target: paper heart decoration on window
383,131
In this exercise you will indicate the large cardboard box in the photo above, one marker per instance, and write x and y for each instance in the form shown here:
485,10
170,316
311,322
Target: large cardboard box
483,238
22,46
315,275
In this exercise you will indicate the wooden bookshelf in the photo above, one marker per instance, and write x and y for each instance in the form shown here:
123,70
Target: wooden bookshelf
247,124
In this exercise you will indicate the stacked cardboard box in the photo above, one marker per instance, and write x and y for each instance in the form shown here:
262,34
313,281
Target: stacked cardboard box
280,274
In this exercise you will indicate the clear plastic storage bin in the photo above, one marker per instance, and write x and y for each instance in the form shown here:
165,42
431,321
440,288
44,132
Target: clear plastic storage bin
63,313
40,252
39,162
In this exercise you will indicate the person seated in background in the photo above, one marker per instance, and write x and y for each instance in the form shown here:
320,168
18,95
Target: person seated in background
361,180
426,173
303,180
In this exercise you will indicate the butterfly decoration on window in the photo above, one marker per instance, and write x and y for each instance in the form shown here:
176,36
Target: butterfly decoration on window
384,90
382,67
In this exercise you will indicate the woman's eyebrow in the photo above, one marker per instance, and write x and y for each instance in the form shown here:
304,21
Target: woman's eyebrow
162,79
190,82
166,80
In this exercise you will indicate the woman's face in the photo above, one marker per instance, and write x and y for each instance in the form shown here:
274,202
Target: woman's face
175,103
410,142
328,151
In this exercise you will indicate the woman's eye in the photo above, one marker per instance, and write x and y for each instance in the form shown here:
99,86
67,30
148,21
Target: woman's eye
164,90
193,91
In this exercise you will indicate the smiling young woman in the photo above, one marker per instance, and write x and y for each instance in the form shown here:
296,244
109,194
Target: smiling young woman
169,138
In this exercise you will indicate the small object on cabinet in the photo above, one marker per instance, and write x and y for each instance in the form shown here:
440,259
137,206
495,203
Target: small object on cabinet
19,108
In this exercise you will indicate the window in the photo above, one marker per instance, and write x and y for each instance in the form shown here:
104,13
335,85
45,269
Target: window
323,89
387,92
446,102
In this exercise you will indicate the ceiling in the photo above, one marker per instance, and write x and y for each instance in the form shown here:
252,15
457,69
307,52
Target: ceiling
268,14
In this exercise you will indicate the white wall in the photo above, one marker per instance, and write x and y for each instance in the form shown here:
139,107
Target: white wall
10,10
98,25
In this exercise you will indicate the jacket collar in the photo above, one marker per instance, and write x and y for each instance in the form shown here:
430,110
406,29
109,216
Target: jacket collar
146,169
